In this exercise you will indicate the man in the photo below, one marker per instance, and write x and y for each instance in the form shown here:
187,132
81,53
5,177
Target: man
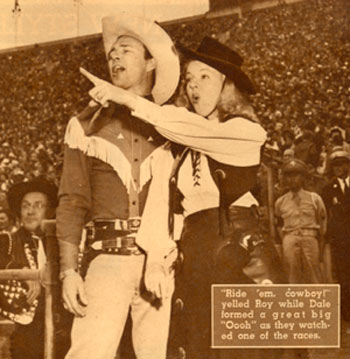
336,197
288,154
32,202
305,149
106,175
302,222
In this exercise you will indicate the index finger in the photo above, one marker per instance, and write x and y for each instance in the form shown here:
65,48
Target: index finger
94,79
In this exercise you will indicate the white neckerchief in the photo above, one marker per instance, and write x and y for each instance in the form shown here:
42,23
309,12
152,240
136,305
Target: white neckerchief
41,252
341,183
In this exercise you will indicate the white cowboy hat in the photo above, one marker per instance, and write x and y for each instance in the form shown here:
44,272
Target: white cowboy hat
157,42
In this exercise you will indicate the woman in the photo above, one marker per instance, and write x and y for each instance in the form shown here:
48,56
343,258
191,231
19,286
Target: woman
218,172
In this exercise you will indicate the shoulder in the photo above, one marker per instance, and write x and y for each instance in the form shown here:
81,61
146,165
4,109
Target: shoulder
77,125
240,118
283,198
331,185
314,195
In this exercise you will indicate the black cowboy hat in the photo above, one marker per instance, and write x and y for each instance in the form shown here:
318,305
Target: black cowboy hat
19,190
223,59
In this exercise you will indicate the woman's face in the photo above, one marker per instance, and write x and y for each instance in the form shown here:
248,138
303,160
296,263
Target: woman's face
203,87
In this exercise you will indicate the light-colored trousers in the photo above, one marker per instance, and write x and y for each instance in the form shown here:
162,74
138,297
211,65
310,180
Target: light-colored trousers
301,258
114,284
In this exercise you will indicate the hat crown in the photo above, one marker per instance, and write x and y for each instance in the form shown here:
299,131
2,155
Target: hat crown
295,165
223,59
214,48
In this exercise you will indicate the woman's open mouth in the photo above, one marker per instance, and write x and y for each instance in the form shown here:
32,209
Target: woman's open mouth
195,98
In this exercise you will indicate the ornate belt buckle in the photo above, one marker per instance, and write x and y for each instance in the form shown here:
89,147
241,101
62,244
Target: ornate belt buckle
134,224
90,233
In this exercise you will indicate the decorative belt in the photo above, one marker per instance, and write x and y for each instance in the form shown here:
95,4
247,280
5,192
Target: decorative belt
116,236
304,231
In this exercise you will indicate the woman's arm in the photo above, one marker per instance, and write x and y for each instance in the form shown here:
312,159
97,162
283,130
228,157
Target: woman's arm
235,142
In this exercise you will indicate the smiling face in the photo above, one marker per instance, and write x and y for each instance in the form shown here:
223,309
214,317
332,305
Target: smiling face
203,88
129,65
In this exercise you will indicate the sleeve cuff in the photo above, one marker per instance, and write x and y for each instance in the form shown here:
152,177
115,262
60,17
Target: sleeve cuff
161,255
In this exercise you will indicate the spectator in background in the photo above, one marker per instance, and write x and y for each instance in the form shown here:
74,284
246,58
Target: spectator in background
337,138
301,221
7,220
288,155
273,141
287,140
305,149
336,196
32,202
295,128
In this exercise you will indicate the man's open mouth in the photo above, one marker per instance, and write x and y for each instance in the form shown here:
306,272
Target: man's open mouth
116,69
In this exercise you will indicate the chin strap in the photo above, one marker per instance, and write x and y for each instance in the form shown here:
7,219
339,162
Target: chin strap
211,113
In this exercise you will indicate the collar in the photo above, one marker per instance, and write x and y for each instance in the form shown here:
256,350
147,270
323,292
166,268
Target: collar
24,232
341,181
293,194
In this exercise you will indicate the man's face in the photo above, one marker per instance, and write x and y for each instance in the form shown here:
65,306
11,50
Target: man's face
287,156
127,63
34,207
341,168
4,221
294,181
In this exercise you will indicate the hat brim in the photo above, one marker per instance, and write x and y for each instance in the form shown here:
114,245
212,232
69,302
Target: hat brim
233,72
294,170
157,42
339,156
19,190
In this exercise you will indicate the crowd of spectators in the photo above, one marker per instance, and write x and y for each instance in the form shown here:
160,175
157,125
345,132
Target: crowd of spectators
298,55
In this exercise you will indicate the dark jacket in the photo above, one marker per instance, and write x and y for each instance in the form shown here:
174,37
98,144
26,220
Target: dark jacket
338,207
12,249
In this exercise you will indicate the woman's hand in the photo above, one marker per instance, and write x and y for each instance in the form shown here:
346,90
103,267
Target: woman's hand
105,91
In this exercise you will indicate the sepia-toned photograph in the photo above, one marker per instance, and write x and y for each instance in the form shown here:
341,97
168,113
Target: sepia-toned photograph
175,179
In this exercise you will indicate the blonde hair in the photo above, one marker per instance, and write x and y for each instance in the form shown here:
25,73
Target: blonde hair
232,101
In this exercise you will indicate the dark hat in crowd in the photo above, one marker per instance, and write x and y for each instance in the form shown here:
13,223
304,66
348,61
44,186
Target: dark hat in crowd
294,166
223,59
338,155
19,190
